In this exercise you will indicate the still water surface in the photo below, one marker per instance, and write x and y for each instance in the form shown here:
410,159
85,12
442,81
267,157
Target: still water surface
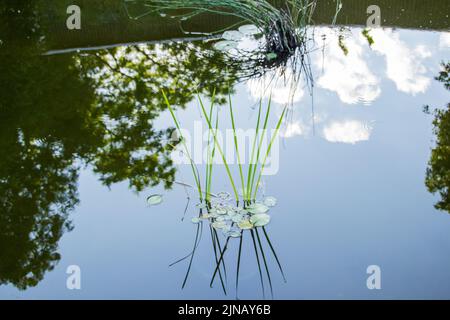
350,183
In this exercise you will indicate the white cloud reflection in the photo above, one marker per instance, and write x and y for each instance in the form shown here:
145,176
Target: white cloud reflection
347,75
444,40
404,64
292,129
284,88
347,131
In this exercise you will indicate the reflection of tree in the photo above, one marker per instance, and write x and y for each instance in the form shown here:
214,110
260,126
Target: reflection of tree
438,171
129,82
62,111
38,130
37,191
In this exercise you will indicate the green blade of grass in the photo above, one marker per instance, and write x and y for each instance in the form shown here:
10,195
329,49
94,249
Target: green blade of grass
252,163
219,148
266,120
193,167
208,166
236,144
213,153
268,150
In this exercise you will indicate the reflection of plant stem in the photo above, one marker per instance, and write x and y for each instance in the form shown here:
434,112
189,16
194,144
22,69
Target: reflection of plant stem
239,263
220,260
259,264
265,262
214,237
197,236
220,250
274,253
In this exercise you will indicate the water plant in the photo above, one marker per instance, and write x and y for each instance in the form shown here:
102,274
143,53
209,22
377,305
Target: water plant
223,213
283,27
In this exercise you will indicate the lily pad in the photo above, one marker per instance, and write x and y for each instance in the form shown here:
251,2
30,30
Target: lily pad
226,229
232,35
257,208
221,210
237,218
225,45
233,234
260,220
270,201
232,213
154,199
195,220
245,225
249,30
219,225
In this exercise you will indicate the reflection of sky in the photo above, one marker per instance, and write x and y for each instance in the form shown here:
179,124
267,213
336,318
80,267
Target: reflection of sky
355,79
341,207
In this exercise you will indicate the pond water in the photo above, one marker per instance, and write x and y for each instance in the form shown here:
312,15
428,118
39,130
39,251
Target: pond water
84,135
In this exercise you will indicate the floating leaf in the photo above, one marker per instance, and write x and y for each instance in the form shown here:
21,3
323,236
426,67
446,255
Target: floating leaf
260,220
195,220
226,229
205,216
226,217
221,211
225,45
237,218
154,199
232,213
232,35
245,225
249,30
219,225
233,234
257,208
270,201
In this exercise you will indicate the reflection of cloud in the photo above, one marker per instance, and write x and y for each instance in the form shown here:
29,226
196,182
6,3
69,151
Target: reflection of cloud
348,131
285,88
292,129
444,40
404,65
347,75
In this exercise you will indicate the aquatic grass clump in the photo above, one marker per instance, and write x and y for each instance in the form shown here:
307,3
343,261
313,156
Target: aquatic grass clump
233,218
281,27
